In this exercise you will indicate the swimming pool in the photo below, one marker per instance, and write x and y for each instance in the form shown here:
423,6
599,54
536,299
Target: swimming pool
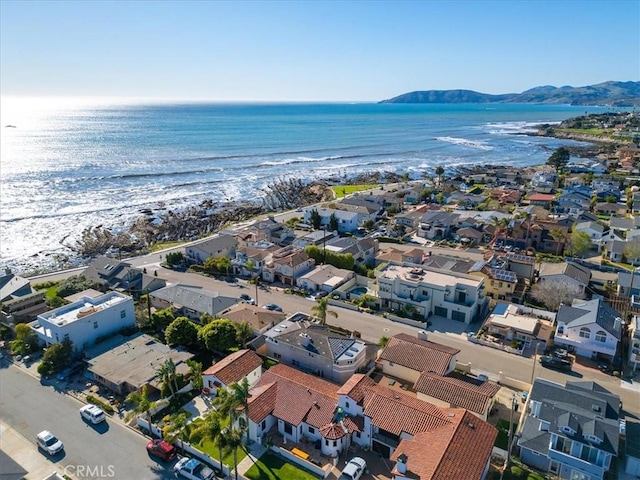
358,291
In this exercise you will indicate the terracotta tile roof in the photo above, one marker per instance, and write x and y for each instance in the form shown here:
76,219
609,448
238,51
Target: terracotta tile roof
398,412
356,386
262,401
458,390
235,367
333,431
458,450
299,396
419,355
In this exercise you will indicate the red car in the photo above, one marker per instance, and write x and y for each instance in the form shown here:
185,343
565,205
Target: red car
161,449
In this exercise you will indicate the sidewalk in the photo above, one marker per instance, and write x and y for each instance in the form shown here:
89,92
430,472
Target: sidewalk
26,454
255,452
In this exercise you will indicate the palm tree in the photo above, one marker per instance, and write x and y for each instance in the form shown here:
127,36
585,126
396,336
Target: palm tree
141,404
177,428
210,429
196,374
167,374
559,236
500,225
321,309
244,332
240,397
232,440
440,173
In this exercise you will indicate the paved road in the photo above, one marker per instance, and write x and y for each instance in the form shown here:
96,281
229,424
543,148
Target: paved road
108,450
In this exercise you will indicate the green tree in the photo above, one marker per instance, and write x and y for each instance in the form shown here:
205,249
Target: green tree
369,224
56,357
321,310
181,331
196,374
161,319
559,158
559,236
499,225
632,251
175,428
580,243
26,340
440,174
218,335
174,258
383,341
75,284
315,218
141,405
333,223
244,331
167,372
232,440
210,429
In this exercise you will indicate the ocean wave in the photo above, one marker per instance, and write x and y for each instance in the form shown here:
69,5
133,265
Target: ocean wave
479,145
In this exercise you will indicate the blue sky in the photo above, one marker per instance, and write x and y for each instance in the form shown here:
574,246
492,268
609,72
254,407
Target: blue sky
311,50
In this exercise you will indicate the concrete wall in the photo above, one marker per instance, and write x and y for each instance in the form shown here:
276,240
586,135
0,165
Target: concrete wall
406,321
512,382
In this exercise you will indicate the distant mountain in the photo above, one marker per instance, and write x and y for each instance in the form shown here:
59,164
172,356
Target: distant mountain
619,94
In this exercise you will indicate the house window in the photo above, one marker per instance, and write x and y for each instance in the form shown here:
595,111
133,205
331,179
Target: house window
601,336
560,329
123,313
335,443
589,454
312,430
288,429
585,332
264,424
346,404
95,325
563,445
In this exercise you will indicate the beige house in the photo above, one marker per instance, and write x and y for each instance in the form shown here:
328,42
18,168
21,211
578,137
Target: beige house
287,265
406,357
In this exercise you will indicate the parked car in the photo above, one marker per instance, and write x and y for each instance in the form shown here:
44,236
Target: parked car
92,413
556,363
354,469
246,298
193,469
161,449
273,307
49,442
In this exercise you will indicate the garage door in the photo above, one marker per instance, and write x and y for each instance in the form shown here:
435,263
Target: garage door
441,312
458,316
382,449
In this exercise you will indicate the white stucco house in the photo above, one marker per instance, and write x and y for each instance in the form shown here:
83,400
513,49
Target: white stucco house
232,369
86,320
588,328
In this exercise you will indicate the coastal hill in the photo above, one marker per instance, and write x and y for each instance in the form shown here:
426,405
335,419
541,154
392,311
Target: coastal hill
618,94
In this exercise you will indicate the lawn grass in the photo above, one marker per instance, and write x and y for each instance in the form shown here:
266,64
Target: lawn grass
211,448
503,434
272,467
164,245
342,190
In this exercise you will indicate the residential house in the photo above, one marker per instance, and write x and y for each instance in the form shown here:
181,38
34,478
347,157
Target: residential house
603,183
411,219
85,321
544,200
572,203
624,224
366,213
447,262
466,200
633,359
259,255
363,250
127,364
461,450
427,291
20,302
217,246
287,265
413,195
614,250
437,224
315,349
457,391
414,255
406,356
590,328
595,230
505,196
568,272
347,221
570,431
499,283
324,278
190,301
519,323
270,231
112,274
232,369
607,194
628,283
470,236
259,318
522,265
543,181
317,238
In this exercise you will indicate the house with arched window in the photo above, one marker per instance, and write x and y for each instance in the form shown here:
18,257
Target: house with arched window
589,328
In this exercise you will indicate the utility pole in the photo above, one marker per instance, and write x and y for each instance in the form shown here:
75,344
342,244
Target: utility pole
535,358
514,406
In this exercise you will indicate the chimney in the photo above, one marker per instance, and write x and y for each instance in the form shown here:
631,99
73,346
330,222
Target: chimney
423,335
401,464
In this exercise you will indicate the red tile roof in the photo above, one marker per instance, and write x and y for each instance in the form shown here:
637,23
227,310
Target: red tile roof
356,386
262,401
457,390
457,450
235,367
398,412
419,355
298,397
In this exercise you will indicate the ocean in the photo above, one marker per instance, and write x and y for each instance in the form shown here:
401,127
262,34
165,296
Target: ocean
68,165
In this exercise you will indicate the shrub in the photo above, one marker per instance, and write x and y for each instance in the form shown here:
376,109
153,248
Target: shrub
517,472
535,476
104,406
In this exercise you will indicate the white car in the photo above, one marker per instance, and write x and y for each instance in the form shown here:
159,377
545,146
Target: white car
92,413
49,442
193,469
354,469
